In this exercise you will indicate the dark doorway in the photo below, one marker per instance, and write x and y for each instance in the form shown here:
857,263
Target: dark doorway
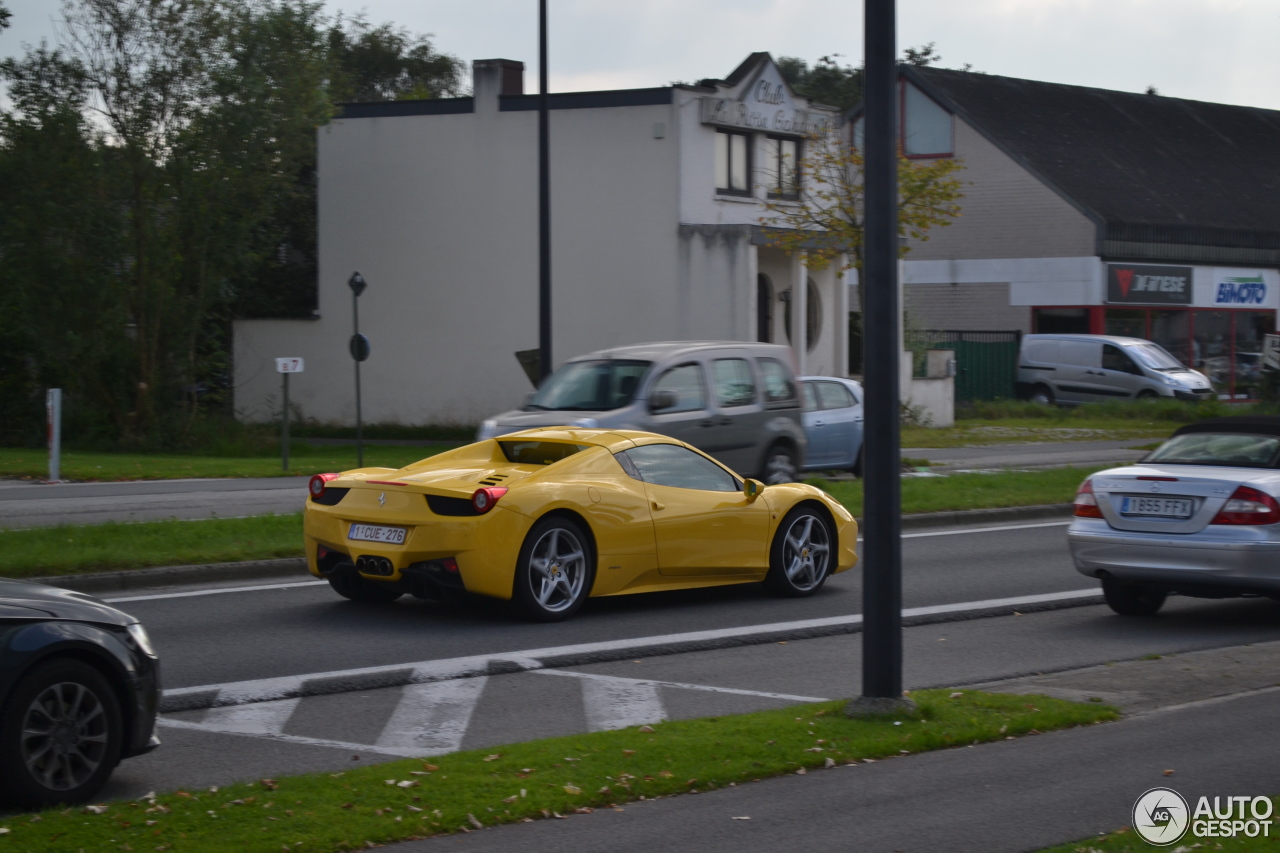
764,309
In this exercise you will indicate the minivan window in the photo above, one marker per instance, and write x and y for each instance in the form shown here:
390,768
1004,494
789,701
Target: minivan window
1155,357
590,386
735,386
1114,358
685,383
778,385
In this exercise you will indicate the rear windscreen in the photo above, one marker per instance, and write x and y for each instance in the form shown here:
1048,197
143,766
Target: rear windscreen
539,452
1207,448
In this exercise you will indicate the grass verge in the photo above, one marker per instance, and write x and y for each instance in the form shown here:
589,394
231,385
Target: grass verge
542,779
29,464
1127,841
41,551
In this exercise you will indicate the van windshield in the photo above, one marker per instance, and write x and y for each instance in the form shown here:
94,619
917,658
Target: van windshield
590,386
1154,357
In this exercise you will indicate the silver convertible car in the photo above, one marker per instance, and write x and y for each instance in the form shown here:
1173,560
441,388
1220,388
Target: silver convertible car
1198,516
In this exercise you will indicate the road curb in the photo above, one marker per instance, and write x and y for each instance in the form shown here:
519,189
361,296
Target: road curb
260,569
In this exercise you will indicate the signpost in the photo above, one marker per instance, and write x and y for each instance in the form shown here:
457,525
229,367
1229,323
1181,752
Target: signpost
1271,352
53,421
359,348
285,366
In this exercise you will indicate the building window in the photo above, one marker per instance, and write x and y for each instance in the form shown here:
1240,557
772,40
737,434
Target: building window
782,161
733,163
813,315
925,129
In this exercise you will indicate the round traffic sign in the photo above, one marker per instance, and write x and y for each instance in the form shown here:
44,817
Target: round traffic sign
359,347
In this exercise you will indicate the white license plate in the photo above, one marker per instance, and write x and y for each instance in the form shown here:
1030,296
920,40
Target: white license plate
377,533
1158,507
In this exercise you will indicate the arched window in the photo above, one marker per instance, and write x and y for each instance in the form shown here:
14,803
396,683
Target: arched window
813,316
764,309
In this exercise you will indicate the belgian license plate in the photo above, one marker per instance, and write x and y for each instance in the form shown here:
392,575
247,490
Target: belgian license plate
1158,507
377,533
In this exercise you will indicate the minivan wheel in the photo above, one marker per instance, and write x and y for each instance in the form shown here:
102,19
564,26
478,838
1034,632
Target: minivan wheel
1041,395
1128,600
779,465
1147,395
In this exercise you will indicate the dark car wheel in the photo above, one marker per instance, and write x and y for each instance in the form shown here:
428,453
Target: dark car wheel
554,570
60,735
779,465
1041,395
801,556
347,583
1130,600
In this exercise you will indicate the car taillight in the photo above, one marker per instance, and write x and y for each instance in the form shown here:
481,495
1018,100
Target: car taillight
1248,506
1086,504
484,499
318,482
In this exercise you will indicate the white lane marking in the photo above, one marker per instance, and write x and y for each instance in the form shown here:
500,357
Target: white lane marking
265,718
305,741
432,719
681,685
320,582
261,690
617,704
255,588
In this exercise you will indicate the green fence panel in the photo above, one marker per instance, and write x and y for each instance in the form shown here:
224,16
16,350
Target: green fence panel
986,362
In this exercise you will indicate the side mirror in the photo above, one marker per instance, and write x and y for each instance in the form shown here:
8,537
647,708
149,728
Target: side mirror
659,400
752,489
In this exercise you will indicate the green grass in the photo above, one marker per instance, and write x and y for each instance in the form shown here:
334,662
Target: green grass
1127,841
41,551
529,781
972,491
31,464
982,432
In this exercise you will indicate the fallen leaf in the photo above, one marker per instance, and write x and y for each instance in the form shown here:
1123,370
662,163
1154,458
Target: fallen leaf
646,730
583,810
413,808
604,790
426,766
955,695
572,789
801,772
741,818
1168,772
269,784
4,830
409,783
493,757
830,762
96,809
477,824
666,774
346,806
628,752
512,798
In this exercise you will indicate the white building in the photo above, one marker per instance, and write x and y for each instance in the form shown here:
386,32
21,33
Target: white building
656,198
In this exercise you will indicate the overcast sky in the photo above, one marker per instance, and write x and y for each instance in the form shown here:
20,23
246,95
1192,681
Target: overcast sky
1209,50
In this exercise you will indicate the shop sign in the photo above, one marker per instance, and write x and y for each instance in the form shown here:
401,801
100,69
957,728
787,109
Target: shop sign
1239,289
1271,352
761,112
1130,284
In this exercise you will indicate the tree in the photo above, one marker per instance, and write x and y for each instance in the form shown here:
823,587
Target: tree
829,82
5,15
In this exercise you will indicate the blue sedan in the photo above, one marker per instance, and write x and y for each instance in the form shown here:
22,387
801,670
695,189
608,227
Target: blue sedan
832,423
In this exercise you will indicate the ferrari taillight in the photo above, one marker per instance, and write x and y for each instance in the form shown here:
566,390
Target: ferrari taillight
1248,506
484,499
318,483
1086,504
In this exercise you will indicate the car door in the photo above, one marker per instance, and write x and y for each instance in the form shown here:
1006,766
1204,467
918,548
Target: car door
1079,371
1122,377
732,433
815,426
686,406
843,416
703,523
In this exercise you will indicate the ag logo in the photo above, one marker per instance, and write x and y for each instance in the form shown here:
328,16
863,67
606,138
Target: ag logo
1161,816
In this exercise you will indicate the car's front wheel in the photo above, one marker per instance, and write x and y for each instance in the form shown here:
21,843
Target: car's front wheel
60,735
554,570
1130,600
348,583
802,553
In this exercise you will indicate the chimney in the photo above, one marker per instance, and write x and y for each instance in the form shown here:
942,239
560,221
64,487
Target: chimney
493,77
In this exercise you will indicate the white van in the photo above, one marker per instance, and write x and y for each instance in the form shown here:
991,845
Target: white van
1095,368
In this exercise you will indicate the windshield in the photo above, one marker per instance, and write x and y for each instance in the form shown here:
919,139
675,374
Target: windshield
1154,357
590,386
1206,448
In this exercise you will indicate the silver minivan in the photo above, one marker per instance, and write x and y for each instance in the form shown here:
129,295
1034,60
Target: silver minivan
735,401
1095,368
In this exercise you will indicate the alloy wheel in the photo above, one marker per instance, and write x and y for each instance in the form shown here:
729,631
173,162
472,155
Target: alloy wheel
64,736
558,570
806,551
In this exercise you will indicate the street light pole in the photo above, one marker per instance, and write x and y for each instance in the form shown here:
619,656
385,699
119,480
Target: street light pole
544,204
359,352
882,524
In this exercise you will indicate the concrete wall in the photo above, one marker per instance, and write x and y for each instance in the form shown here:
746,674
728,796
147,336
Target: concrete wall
968,307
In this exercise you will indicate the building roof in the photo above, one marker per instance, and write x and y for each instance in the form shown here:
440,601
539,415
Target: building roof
1164,178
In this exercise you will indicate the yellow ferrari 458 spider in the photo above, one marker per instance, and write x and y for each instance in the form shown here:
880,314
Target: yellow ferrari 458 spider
548,517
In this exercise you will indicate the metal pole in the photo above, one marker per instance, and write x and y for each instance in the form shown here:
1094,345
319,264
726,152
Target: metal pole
53,420
284,424
882,545
355,317
544,204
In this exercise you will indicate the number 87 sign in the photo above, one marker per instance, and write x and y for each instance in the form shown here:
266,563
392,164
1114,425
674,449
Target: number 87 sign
289,365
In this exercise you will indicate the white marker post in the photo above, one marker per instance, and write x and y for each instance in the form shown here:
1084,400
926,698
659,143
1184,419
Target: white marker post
53,420
285,366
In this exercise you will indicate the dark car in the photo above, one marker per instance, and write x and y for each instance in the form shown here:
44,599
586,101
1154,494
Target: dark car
79,686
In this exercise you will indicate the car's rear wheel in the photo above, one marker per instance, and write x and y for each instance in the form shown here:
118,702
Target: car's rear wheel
60,735
802,553
780,465
554,570
1041,395
1131,600
348,583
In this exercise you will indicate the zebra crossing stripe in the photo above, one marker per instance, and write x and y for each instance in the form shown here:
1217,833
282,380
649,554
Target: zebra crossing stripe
619,703
266,718
677,685
432,719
